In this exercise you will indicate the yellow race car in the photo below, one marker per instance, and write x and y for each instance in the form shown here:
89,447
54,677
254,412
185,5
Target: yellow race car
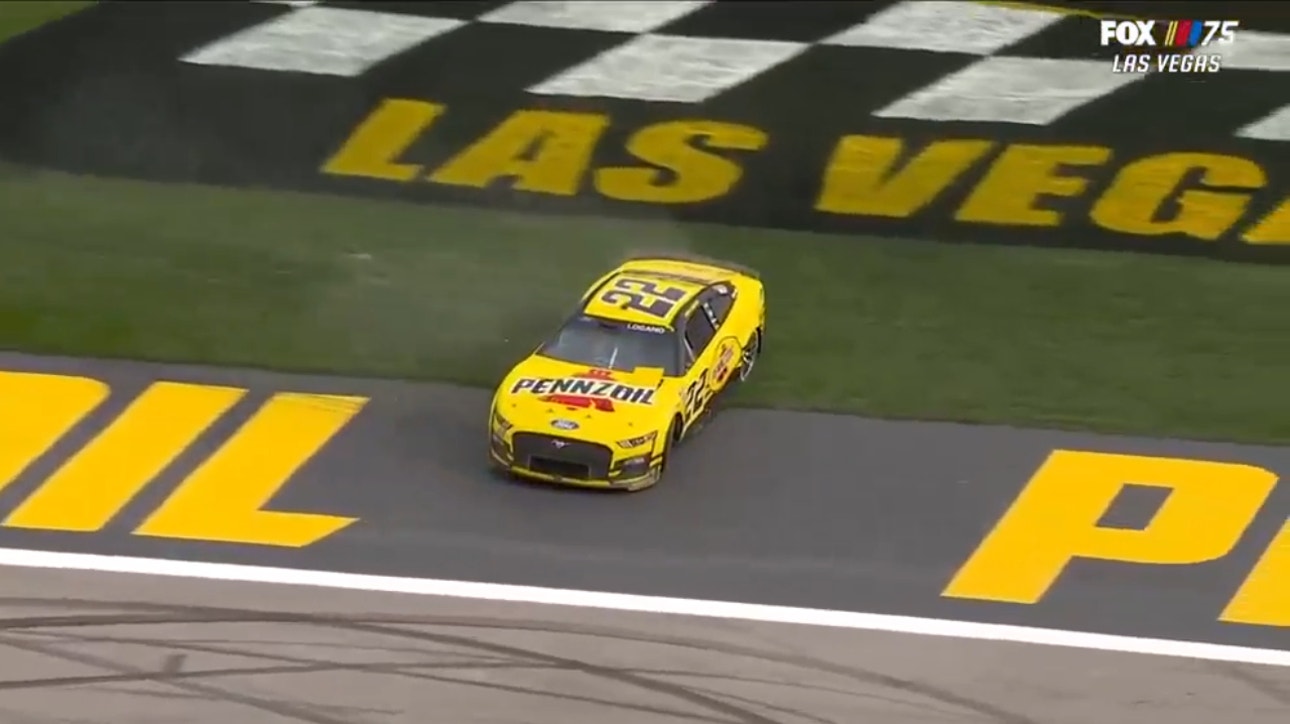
631,373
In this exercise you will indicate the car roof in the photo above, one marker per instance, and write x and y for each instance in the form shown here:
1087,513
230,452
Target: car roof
609,299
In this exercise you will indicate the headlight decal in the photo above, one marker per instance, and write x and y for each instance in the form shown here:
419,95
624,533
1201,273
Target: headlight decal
500,424
635,442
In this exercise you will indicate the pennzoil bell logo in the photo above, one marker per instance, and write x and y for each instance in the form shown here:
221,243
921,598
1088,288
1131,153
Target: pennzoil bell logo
595,389
1174,43
722,368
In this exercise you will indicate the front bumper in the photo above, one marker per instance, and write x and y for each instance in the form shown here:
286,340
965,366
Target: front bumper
567,461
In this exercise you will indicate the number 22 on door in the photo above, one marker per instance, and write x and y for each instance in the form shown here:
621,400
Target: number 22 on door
697,396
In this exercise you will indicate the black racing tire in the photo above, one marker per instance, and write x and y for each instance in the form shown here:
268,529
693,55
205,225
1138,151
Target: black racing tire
673,439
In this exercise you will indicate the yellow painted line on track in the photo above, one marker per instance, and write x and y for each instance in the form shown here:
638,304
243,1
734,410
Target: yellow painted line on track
106,474
38,410
1061,9
223,499
1097,15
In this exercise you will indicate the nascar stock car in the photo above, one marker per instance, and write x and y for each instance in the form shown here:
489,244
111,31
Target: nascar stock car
632,372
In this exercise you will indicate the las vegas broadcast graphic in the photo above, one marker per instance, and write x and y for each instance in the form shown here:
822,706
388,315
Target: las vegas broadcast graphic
1167,46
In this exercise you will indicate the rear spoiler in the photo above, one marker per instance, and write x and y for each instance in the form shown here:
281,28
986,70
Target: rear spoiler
696,259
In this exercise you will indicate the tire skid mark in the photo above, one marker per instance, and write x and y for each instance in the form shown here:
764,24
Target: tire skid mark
280,708
722,707
1239,673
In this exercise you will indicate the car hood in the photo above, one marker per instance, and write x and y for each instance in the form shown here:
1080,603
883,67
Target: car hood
559,398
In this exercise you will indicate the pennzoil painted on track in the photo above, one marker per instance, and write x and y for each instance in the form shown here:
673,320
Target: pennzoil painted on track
1169,546
711,111
631,374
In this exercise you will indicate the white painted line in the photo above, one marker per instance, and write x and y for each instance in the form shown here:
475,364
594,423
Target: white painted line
622,16
640,604
1254,50
1272,127
1006,89
669,68
321,40
946,27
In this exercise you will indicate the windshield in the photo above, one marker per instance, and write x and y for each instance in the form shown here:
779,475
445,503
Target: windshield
613,346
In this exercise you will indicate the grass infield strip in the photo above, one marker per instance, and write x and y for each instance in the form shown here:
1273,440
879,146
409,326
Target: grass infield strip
1115,342
19,16
1112,342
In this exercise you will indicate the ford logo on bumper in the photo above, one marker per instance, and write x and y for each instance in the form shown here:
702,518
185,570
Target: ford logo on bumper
564,424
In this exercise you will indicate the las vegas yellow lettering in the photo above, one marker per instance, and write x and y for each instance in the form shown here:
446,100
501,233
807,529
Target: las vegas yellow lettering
544,151
1021,177
1271,229
221,501
1055,520
1134,202
861,178
696,175
551,152
373,149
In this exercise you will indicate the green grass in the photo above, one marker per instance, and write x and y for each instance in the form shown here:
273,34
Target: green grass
1113,342
19,16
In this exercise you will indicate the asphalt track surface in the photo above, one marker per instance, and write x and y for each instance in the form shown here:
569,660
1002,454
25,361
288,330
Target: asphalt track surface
91,647
789,509
777,508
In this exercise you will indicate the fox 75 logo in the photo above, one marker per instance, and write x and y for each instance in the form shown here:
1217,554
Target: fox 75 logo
1168,33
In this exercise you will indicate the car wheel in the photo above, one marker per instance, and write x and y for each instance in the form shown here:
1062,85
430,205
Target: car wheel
673,437
672,432
748,357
